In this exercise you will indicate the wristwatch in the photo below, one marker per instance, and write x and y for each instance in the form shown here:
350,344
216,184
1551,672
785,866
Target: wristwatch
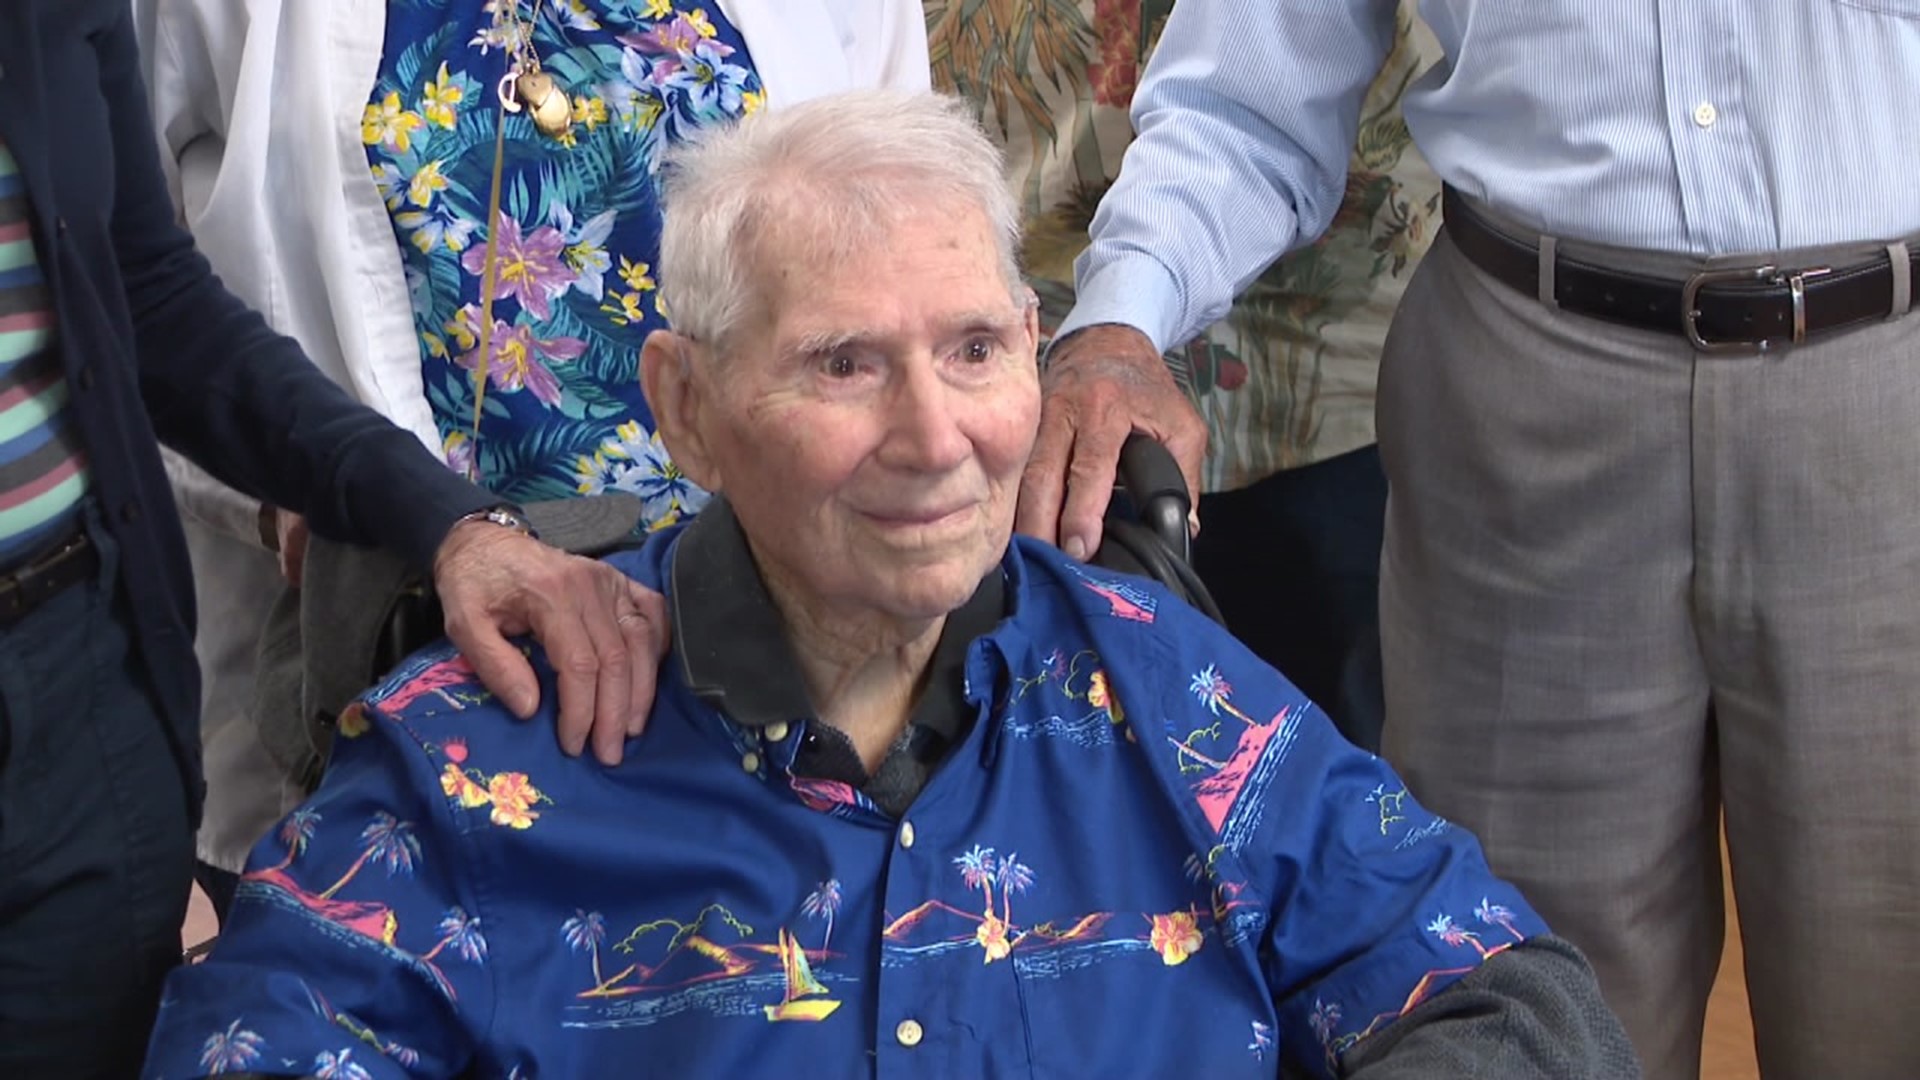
505,515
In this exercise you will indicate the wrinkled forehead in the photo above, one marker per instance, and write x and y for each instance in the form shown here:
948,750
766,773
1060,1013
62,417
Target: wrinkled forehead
910,270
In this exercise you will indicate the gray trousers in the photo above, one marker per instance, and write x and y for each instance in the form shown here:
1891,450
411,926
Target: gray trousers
1627,588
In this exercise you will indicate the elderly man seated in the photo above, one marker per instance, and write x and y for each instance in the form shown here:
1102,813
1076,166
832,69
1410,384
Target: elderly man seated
918,799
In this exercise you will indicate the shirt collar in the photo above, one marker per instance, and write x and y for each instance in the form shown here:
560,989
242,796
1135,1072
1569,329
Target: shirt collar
733,647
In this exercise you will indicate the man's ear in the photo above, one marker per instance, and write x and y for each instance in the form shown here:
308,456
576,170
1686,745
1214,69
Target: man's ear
678,398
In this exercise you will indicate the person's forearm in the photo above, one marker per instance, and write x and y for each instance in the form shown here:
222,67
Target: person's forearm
1246,118
1532,1011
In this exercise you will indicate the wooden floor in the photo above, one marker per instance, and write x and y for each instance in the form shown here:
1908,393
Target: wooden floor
1726,1055
1727,1051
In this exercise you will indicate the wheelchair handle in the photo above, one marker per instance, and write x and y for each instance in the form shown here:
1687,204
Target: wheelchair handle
1152,479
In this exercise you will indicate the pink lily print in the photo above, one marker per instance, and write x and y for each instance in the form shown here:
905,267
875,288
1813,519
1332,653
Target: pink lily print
824,903
1493,914
461,932
232,1050
519,358
532,267
586,932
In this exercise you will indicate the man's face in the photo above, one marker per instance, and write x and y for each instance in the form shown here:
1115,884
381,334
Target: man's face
871,426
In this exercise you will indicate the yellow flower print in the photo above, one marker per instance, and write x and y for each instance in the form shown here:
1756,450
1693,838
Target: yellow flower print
426,183
589,112
513,796
752,101
441,99
1175,937
697,18
625,310
436,345
635,274
461,787
659,9
464,331
660,305
353,721
388,124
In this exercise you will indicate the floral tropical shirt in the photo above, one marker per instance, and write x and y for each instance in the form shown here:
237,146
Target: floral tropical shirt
562,410
1147,855
1288,377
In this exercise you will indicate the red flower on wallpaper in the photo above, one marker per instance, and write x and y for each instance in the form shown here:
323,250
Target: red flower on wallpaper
1115,74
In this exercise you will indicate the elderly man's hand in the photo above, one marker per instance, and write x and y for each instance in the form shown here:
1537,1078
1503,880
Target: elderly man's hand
604,633
1102,384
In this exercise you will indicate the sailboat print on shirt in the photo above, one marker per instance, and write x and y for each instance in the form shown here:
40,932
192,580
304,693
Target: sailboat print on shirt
801,1001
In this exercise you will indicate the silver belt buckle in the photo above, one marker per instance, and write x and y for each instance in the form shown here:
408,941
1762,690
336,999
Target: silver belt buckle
1796,283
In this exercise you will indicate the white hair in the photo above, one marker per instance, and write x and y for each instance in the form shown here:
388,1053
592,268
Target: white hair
849,166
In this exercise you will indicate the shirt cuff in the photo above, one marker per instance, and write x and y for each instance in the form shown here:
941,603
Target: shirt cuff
1134,290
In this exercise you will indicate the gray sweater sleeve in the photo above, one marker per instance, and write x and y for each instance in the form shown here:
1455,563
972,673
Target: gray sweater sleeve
1532,1011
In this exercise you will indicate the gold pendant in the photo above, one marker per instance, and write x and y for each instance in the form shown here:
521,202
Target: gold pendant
552,112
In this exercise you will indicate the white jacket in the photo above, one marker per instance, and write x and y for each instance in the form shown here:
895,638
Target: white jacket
258,104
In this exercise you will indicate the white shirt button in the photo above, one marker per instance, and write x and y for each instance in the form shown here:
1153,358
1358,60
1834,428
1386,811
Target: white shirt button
776,731
909,1033
751,762
906,834
1704,114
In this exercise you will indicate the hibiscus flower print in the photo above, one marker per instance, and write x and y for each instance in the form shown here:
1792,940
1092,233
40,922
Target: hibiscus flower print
528,267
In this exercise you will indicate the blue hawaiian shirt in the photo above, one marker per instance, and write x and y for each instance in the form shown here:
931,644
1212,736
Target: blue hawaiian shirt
1145,855
562,410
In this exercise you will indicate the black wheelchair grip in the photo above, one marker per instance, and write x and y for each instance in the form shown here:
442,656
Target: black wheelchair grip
1152,479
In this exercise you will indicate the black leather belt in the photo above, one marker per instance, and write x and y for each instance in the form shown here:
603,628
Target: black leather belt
24,590
1741,309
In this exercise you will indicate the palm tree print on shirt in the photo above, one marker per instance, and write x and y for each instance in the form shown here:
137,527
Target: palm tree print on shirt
389,842
232,1050
586,932
824,903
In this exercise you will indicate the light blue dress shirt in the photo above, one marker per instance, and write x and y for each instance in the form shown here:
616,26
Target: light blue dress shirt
1704,127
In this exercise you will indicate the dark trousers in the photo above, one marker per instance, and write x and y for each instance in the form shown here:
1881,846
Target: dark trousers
1294,563
95,851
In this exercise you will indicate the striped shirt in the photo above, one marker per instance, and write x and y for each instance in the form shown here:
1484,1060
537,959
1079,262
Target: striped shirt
1702,127
43,471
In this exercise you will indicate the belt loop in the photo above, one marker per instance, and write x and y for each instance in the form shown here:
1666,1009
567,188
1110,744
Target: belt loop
1902,278
1549,257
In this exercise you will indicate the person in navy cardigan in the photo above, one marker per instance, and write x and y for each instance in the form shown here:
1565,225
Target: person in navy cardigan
99,777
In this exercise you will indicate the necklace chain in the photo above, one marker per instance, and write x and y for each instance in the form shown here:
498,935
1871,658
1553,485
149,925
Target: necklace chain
519,32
